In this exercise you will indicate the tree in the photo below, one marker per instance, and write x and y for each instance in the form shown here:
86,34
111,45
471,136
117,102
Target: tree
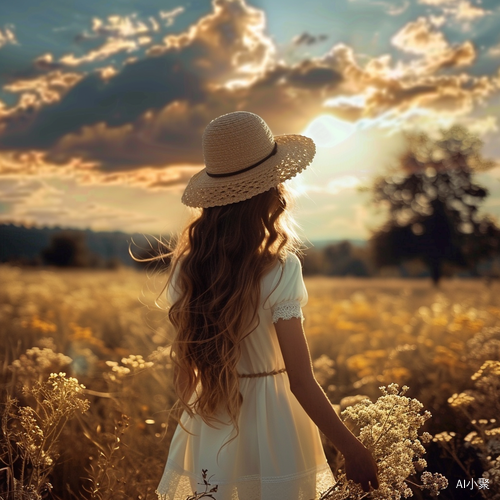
69,249
341,260
433,204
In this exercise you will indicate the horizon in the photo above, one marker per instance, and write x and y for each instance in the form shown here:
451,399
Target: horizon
318,243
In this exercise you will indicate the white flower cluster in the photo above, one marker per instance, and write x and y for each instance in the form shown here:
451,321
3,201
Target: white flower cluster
32,432
462,399
38,363
389,429
161,357
444,437
484,345
130,366
60,395
493,473
480,406
433,482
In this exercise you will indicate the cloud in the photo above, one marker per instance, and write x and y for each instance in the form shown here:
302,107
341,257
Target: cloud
39,203
7,37
169,16
116,27
395,10
463,11
173,178
151,83
227,43
110,48
308,39
15,164
311,75
494,51
49,88
391,8
350,108
149,115
420,37
437,2
30,201
121,34
27,192
143,98
45,62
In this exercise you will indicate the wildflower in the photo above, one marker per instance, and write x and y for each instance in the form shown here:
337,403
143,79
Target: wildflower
489,367
137,362
33,434
433,482
484,345
426,437
389,429
161,356
323,369
473,438
36,323
130,366
444,436
462,399
38,363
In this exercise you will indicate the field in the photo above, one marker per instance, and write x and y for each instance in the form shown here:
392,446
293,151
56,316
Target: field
110,439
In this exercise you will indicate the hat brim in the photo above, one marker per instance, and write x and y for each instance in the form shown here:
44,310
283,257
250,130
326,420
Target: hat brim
294,154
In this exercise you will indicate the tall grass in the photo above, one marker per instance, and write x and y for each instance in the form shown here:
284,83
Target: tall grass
102,330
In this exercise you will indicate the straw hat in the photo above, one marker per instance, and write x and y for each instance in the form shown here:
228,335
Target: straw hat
243,159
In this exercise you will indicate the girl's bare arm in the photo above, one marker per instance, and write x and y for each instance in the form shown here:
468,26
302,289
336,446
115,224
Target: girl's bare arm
360,465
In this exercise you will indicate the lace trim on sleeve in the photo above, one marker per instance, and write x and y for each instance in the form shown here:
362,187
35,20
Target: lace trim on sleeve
287,310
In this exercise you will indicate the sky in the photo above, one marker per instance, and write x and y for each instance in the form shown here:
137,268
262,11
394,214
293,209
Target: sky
103,104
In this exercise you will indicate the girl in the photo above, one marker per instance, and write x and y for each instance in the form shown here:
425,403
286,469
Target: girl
243,372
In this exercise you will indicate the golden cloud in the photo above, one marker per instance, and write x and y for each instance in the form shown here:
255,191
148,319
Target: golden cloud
222,63
227,43
48,88
461,10
169,16
420,37
116,27
7,37
111,47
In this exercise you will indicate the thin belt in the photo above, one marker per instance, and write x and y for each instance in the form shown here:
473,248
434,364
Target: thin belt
262,374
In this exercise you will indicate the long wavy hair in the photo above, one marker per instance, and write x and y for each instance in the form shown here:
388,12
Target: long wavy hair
221,256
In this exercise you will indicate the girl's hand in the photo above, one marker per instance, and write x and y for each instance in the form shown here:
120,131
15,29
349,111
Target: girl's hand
361,467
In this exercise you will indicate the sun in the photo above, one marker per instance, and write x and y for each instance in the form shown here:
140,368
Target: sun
327,131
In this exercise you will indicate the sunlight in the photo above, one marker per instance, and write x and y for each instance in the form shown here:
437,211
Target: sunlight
327,131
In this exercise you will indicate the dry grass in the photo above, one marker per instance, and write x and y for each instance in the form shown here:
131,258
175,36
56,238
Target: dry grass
102,328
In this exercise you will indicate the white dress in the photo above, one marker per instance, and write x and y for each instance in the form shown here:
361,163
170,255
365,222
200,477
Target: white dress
278,453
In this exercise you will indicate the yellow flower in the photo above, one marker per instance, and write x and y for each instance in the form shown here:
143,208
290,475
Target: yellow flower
461,399
36,323
489,367
441,320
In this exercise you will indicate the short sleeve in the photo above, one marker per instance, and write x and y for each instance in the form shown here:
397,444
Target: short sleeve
287,300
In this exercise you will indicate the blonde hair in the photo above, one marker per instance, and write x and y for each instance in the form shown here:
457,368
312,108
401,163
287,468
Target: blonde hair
221,257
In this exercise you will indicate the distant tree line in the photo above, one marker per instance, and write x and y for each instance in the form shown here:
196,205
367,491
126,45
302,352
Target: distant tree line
72,248
68,249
